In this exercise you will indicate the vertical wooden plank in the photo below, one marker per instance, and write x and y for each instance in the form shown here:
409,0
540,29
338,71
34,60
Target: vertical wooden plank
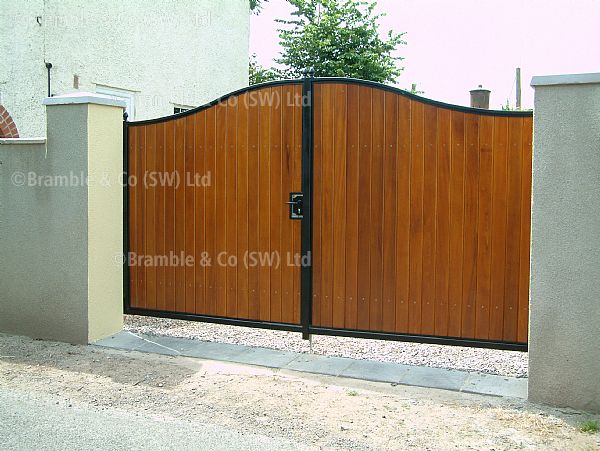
221,209
442,240
389,212
264,203
429,219
499,205
327,163
484,227
317,271
253,208
278,206
142,152
200,213
190,213
134,224
364,206
352,190
339,206
416,219
297,188
150,216
526,175
287,143
471,202
242,206
160,214
170,213
231,208
513,229
376,243
457,170
403,209
210,218
180,214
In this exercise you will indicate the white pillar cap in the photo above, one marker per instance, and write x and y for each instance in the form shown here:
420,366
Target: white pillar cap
82,98
565,79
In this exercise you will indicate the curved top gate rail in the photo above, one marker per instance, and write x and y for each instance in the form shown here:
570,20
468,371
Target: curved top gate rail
346,80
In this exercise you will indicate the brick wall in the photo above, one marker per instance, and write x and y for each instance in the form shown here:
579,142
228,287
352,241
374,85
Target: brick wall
8,128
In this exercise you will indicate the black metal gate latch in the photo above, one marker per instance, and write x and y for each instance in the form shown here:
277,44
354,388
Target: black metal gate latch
296,205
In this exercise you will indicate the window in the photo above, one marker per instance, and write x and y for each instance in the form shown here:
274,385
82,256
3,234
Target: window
180,108
121,94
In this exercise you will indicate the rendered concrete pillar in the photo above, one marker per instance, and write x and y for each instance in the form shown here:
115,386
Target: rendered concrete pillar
62,224
564,334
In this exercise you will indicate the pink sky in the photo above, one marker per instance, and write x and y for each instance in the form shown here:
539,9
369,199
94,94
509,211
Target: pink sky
453,46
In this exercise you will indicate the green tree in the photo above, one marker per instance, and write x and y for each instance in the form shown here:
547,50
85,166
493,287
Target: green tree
258,74
256,5
338,38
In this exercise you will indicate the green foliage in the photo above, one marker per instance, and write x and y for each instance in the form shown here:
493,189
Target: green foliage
508,107
352,393
256,5
258,74
589,426
415,90
338,38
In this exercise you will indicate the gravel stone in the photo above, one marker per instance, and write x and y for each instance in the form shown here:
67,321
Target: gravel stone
490,361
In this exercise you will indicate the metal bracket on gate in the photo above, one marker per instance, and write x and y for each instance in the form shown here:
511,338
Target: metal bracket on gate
296,204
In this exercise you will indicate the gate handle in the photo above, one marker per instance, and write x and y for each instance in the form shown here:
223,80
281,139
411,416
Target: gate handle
296,204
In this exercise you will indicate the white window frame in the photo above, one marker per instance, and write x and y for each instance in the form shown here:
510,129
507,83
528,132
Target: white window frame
182,107
120,94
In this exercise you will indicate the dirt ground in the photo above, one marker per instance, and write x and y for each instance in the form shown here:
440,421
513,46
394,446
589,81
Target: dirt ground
316,411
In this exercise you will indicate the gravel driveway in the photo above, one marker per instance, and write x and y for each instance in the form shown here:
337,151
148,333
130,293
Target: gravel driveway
491,361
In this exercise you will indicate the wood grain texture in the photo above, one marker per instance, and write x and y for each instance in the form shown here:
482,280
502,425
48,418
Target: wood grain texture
429,219
180,268
363,241
232,223
484,227
442,241
421,213
435,223
525,202
339,206
352,189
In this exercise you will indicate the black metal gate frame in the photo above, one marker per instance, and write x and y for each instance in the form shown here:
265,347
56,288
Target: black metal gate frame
305,327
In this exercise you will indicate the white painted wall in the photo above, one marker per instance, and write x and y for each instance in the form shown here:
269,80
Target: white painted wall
184,52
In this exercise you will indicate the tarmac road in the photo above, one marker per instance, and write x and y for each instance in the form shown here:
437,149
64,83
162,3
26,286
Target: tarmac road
45,423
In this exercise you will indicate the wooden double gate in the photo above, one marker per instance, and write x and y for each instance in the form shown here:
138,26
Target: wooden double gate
413,215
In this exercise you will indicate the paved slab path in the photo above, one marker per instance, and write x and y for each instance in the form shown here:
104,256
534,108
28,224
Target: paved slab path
368,370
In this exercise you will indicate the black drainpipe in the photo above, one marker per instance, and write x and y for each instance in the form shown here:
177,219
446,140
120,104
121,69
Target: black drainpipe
49,66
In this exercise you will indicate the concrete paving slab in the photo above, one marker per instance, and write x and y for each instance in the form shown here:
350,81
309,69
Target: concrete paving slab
311,363
156,348
216,351
421,376
490,384
375,371
270,358
121,340
180,345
